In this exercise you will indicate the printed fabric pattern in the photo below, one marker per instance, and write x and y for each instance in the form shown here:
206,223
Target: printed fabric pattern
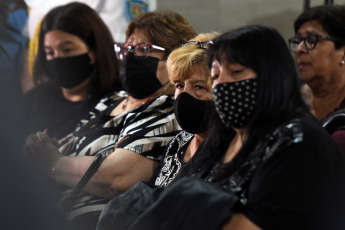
283,137
173,160
145,130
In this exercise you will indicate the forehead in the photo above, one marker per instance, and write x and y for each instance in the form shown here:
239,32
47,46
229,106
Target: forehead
58,36
311,27
138,36
197,73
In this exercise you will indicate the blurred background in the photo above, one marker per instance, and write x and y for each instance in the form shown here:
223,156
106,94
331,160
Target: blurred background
222,15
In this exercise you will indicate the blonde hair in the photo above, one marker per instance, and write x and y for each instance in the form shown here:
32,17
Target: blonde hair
182,61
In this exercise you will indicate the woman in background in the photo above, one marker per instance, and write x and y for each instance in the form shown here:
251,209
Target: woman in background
319,46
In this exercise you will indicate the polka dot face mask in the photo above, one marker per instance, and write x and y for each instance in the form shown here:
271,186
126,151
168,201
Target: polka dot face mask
235,102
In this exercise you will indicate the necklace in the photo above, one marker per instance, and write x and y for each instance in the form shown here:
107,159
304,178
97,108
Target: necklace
125,104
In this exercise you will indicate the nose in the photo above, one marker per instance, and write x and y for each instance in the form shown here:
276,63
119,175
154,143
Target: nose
220,79
301,48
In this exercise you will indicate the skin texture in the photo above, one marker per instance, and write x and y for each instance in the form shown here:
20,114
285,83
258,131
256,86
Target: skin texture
59,44
321,69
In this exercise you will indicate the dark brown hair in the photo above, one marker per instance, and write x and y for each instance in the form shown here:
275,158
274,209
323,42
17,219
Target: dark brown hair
332,19
164,28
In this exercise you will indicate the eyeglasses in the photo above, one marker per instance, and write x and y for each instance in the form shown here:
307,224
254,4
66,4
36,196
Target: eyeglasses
310,41
141,50
203,45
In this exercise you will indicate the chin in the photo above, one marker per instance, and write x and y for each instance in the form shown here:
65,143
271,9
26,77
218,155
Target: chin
305,76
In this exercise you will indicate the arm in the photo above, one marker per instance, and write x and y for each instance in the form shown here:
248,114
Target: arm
239,222
119,172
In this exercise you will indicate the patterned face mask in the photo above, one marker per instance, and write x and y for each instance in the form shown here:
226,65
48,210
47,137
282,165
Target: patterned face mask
236,102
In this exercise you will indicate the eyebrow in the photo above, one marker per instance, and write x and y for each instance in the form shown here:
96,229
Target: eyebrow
67,42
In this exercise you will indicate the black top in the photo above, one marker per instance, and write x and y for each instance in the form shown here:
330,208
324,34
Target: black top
293,180
44,107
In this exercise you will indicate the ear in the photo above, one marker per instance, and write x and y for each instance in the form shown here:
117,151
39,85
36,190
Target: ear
92,56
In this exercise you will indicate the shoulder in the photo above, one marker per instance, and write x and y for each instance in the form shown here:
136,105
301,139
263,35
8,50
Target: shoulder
162,102
110,100
44,94
44,90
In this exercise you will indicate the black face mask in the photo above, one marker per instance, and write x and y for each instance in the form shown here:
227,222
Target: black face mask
236,102
192,114
69,72
138,76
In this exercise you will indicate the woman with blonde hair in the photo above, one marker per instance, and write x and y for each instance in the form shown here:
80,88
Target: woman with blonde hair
190,73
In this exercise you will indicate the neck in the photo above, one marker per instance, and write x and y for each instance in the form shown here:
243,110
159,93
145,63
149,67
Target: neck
235,145
70,95
194,145
325,103
132,103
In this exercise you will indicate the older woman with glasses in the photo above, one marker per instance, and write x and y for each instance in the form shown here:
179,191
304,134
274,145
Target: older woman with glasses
266,163
319,46
131,130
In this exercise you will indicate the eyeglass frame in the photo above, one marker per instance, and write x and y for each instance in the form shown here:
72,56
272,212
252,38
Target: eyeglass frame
305,42
203,45
132,49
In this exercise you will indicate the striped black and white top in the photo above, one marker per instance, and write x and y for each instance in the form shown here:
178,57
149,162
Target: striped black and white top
145,130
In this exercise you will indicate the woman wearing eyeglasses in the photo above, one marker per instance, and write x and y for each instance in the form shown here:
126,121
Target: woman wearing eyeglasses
319,46
266,164
131,130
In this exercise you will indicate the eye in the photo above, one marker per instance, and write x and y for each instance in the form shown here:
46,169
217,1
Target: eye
236,71
199,87
179,86
67,50
49,54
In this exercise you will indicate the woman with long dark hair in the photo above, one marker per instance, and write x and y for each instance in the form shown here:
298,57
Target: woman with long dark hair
265,148
74,68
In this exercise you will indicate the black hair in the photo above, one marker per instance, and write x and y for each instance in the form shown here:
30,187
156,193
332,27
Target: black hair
279,98
332,19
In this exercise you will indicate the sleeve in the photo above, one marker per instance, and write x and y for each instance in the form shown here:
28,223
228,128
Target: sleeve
294,188
150,137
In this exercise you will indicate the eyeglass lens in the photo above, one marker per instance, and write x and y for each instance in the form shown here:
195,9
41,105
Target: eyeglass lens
309,42
139,50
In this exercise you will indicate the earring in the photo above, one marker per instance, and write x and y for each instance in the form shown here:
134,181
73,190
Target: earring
342,62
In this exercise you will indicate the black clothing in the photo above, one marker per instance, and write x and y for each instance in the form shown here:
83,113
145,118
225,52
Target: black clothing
44,107
294,179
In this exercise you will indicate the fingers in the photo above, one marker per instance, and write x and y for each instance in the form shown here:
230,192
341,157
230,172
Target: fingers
42,136
55,142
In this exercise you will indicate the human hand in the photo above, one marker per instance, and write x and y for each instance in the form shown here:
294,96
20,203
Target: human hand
42,151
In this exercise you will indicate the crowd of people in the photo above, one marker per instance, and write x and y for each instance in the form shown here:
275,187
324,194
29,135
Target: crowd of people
178,130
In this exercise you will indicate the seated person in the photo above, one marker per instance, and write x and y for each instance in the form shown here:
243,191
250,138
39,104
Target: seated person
264,147
319,48
74,68
190,74
131,132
